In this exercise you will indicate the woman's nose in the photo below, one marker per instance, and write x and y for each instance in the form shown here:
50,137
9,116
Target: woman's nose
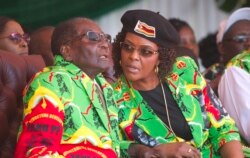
23,44
135,55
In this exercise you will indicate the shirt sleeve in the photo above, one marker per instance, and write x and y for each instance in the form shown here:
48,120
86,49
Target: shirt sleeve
42,127
235,95
219,127
124,146
47,116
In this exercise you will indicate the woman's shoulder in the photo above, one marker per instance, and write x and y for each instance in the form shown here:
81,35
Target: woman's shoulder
183,63
185,70
120,85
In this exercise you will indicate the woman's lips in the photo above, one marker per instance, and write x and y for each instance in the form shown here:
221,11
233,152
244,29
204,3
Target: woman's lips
132,69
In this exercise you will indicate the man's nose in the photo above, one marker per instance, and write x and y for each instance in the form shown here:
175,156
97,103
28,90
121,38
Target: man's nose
105,43
247,44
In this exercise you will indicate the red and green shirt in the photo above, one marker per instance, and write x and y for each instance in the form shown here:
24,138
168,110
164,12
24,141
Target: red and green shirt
64,115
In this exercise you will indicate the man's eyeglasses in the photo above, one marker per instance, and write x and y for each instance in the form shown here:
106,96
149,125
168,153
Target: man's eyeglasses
17,37
93,36
239,38
144,51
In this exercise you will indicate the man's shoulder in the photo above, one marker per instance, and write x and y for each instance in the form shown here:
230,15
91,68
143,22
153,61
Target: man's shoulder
243,56
53,70
50,80
48,74
241,60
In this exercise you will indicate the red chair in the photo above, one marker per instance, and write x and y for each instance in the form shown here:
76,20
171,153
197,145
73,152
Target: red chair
15,73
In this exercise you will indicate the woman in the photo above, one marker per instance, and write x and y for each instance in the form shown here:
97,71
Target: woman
12,37
187,38
165,107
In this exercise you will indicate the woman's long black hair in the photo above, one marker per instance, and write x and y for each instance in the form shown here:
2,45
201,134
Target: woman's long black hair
166,56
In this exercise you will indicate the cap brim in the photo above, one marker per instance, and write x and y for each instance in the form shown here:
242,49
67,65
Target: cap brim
240,14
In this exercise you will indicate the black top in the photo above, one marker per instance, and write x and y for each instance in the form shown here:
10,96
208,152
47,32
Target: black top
155,100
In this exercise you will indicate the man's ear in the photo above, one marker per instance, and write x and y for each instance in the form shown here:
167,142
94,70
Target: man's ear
65,51
221,48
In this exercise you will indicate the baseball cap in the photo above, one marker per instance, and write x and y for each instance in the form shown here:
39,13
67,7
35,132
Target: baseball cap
239,14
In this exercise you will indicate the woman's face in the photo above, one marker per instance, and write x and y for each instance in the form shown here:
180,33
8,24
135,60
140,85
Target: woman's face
12,39
139,58
188,40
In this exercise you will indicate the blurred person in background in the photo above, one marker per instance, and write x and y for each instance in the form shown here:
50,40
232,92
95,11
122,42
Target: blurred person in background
40,43
109,73
12,36
209,52
187,38
234,84
211,57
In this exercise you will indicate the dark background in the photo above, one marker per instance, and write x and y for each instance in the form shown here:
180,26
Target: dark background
36,13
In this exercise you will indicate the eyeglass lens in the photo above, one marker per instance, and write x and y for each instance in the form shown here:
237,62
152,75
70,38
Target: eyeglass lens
143,51
241,38
17,37
94,36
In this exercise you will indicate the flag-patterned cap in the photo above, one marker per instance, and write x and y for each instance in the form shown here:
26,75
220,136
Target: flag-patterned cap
152,26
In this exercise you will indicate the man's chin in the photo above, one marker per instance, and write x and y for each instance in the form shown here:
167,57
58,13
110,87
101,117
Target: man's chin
104,67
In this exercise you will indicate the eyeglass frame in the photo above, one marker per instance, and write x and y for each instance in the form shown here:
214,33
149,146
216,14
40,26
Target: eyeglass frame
138,49
234,39
102,35
25,37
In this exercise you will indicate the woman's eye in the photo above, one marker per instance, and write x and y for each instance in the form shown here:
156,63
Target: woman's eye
129,47
15,39
146,52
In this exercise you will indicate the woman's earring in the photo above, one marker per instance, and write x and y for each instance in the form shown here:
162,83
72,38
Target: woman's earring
156,69
120,62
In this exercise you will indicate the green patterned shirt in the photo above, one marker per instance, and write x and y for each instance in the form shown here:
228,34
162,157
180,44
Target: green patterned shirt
210,125
64,115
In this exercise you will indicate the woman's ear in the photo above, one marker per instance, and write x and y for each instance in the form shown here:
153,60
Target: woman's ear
158,62
65,51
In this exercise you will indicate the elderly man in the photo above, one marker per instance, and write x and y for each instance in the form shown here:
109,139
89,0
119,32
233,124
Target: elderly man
69,107
234,84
